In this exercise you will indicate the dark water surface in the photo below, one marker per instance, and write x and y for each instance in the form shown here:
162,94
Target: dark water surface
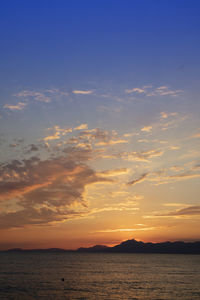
25,276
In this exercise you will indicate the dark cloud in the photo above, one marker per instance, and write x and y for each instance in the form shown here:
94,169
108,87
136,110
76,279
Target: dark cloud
32,148
78,154
33,216
46,190
141,178
196,167
188,211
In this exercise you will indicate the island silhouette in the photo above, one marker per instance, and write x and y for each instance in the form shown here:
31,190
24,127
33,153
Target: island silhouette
129,246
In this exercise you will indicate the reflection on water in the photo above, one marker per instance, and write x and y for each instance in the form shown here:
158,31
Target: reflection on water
25,276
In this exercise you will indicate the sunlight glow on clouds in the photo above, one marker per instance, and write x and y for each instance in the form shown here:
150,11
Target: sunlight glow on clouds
19,106
80,92
147,128
58,133
65,185
129,229
81,127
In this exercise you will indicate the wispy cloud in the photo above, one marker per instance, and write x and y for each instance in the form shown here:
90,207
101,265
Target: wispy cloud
58,133
154,91
164,91
147,129
162,177
191,210
137,180
54,136
97,137
45,96
81,127
174,204
135,90
111,142
18,106
128,229
114,172
82,92
186,211
144,156
165,176
165,115
38,96
125,206
196,135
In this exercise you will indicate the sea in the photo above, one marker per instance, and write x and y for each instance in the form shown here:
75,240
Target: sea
27,275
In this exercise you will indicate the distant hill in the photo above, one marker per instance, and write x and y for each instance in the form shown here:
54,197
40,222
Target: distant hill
49,250
129,246
97,248
133,246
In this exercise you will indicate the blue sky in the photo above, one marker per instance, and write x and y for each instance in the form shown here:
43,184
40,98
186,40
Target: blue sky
47,43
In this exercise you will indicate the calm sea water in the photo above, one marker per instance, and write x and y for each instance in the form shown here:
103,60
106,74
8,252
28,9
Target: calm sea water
25,276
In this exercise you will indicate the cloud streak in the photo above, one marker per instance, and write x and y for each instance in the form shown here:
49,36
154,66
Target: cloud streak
82,92
38,96
138,180
127,229
19,106
186,211
147,128
141,156
58,133
154,91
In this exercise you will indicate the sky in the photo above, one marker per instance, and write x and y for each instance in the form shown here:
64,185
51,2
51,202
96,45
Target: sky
99,122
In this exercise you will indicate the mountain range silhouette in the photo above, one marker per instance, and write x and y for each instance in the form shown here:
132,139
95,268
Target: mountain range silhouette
130,246
133,246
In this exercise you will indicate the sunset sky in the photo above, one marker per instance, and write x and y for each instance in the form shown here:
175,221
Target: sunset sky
99,122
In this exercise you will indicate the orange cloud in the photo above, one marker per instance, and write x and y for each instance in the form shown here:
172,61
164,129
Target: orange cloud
47,190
